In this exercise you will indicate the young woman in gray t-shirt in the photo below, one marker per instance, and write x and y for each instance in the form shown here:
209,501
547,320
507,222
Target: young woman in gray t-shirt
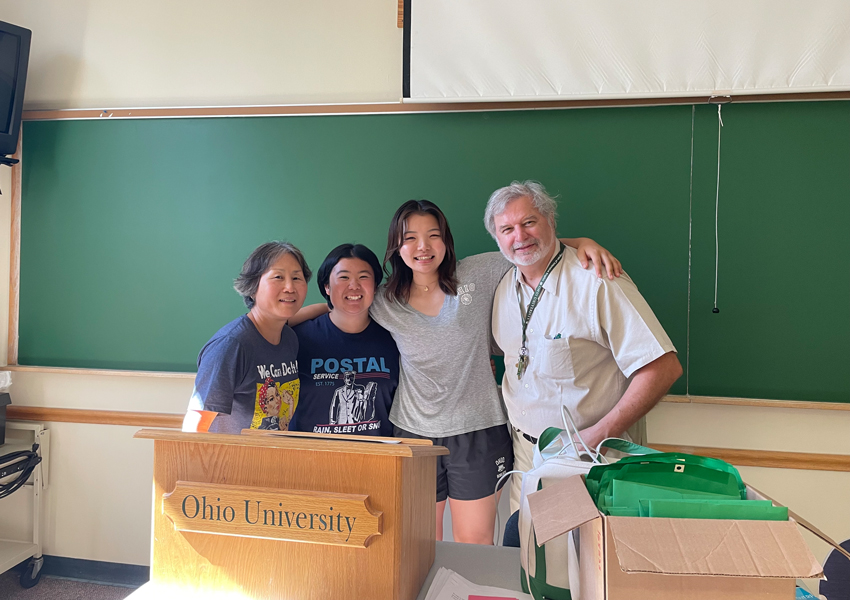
438,310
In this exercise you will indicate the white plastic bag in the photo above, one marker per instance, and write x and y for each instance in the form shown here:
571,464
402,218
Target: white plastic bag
5,381
547,569
554,459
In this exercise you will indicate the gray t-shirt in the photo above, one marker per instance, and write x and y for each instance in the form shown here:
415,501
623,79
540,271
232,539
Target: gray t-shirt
446,386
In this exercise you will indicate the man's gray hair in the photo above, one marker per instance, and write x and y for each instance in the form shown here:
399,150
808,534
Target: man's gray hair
532,190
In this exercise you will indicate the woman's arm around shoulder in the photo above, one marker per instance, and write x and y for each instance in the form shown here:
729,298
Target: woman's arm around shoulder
586,249
308,313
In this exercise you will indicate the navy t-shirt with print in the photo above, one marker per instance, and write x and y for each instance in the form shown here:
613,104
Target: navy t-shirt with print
347,379
250,382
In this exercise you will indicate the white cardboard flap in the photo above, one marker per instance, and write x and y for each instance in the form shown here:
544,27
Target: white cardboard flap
560,507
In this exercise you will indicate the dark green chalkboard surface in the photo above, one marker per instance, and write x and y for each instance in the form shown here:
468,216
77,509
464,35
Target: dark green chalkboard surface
132,231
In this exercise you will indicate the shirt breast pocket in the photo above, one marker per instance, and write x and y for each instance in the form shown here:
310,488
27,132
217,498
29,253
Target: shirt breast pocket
556,359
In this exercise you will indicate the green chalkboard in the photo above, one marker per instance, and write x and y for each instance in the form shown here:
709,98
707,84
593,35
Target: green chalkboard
132,231
783,330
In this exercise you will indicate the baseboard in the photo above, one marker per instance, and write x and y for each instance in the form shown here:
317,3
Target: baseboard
95,571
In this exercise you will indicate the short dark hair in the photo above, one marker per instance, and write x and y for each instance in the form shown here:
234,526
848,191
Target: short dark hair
260,261
323,276
401,276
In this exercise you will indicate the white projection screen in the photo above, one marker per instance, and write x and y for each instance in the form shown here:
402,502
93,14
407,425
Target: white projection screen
498,50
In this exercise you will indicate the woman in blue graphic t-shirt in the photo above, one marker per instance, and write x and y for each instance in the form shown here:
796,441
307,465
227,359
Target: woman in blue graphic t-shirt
347,363
247,373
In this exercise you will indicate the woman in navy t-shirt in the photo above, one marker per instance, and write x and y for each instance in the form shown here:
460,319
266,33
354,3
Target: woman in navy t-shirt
347,363
247,373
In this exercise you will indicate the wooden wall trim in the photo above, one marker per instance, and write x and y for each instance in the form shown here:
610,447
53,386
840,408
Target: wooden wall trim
400,20
803,404
97,372
401,107
798,404
767,458
738,457
14,260
93,417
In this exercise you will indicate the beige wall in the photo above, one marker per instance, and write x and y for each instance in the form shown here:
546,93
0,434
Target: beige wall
106,54
822,497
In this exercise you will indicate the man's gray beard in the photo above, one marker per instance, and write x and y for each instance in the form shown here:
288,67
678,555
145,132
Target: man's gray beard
528,259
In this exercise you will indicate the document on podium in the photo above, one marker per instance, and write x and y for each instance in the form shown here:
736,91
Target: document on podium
448,585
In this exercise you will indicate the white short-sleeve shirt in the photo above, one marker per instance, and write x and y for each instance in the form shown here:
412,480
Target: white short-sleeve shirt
586,337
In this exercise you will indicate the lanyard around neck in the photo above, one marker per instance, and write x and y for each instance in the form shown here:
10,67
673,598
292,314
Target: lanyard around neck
526,315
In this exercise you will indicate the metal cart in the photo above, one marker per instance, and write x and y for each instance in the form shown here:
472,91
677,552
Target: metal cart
22,436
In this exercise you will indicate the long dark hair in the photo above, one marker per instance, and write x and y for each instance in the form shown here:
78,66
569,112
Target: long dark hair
400,277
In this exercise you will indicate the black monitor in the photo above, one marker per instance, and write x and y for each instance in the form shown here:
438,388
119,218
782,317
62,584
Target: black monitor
14,57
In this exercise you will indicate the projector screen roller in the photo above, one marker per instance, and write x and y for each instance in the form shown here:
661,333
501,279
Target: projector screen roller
474,50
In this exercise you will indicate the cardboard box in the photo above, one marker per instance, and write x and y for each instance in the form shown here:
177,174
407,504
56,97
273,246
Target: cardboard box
632,558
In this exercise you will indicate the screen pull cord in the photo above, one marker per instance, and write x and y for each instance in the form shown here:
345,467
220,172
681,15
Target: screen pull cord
719,101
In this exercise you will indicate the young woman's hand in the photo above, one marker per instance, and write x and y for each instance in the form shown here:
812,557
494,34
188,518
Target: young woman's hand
588,250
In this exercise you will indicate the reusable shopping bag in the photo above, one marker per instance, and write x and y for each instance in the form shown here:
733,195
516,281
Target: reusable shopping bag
671,470
555,458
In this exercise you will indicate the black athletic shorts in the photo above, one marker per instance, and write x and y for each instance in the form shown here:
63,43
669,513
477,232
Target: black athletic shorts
476,461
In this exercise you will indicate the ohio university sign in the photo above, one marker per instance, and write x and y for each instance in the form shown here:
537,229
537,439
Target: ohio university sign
292,515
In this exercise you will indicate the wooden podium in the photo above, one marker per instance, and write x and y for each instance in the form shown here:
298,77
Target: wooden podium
292,516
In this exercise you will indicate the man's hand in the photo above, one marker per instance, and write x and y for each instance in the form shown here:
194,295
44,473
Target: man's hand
593,436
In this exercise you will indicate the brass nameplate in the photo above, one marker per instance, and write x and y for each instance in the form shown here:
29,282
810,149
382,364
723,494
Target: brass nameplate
292,515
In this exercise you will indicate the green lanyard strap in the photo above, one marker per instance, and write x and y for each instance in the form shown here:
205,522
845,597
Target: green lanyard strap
522,364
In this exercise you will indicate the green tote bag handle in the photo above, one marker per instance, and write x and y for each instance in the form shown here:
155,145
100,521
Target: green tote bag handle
626,447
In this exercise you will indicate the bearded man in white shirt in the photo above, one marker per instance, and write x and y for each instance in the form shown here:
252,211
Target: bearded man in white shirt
589,343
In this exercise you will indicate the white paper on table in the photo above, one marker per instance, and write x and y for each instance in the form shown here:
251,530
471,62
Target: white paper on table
448,585
437,583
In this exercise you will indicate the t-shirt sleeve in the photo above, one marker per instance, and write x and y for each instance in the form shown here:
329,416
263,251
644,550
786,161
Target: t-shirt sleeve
627,325
488,267
219,368
380,309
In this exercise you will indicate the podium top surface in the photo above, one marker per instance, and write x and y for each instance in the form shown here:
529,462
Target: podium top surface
403,447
